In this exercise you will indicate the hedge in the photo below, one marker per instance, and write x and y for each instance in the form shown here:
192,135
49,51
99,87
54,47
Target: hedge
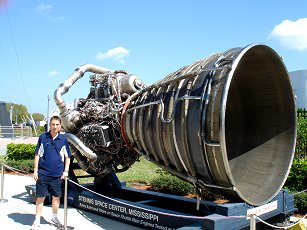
20,152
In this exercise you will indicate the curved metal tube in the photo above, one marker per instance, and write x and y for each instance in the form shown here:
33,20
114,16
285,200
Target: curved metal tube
78,144
80,158
71,120
76,75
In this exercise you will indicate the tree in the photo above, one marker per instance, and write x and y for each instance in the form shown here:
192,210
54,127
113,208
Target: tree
19,112
38,116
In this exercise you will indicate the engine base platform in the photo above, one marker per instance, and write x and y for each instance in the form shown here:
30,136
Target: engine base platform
153,210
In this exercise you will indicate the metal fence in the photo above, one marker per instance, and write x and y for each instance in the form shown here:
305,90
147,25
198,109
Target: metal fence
15,131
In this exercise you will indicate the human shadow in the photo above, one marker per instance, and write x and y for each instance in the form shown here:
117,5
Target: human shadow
22,196
25,218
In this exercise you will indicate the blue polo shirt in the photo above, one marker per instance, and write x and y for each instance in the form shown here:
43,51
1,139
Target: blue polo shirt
52,153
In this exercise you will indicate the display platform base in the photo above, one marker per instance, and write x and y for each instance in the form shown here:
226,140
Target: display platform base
152,210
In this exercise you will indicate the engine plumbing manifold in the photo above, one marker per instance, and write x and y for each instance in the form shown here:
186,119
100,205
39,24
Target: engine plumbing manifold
93,127
226,124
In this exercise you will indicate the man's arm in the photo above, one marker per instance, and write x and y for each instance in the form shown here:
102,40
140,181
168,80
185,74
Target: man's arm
66,168
36,160
67,162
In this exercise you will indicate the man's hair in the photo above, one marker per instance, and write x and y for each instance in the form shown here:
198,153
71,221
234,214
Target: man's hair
57,118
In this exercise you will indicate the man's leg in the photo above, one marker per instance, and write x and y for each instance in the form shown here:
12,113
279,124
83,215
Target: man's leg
55,205
39,207
56,190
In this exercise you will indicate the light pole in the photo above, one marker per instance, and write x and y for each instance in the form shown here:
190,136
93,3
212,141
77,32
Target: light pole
11,115
48,113
16,115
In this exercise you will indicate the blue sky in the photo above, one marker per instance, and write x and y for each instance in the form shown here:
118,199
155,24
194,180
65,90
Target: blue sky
42,42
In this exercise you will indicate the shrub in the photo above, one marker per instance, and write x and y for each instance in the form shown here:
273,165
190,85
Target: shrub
39,130
301,139
297,179
301,202
27,166
171,185
19,152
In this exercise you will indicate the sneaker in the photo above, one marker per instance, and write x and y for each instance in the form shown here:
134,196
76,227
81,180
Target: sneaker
55,221
35,226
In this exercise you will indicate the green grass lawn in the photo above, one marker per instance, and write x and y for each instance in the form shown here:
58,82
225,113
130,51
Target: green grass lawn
142,171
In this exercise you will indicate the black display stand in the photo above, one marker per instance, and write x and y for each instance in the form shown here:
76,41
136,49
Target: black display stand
152,210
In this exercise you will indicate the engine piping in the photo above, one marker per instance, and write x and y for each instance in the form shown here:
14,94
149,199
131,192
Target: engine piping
76,75
78,144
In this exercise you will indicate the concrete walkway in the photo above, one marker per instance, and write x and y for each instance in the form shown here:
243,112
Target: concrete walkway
18,212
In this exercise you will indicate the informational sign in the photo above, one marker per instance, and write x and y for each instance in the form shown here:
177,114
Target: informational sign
143,217
262,209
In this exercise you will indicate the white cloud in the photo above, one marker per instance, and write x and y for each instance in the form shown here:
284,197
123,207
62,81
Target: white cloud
61,18
53,73
291,34
117,54
43,7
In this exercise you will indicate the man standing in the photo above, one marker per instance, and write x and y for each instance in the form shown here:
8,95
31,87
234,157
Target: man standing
51,165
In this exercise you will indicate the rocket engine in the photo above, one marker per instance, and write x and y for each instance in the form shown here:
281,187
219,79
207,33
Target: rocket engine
226,124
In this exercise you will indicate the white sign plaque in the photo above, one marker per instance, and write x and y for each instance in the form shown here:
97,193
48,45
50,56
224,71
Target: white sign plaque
262,209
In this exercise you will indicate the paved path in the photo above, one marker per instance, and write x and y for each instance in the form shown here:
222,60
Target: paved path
18,212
